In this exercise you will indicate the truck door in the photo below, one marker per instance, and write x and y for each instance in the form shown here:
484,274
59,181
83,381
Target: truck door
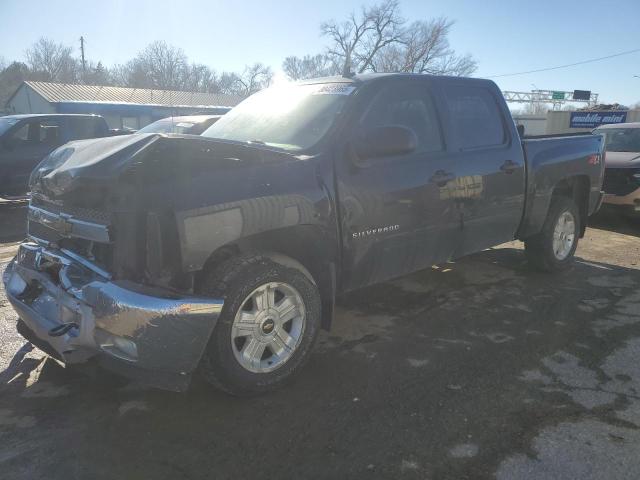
490,185
395,211
26,144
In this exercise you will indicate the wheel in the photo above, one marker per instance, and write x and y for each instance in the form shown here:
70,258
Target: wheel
267,327
552,249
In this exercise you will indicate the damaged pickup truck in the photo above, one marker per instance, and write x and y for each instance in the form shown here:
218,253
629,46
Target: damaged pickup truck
163,255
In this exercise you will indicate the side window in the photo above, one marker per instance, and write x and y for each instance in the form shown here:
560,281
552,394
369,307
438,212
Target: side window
475,115
38,132
50,133
21,134
410,106
84,127
130,122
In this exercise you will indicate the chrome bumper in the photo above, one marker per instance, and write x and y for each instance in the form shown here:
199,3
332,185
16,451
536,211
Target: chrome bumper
80,314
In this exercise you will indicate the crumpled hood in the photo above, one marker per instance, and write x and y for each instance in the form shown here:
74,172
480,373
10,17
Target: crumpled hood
106,158
96,157
623,159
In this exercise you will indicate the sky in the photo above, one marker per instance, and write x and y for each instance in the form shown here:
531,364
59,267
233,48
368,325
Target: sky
503,36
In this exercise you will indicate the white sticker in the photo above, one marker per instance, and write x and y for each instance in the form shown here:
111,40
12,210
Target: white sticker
334,89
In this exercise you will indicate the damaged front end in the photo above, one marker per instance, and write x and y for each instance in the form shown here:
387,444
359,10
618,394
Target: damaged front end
95,278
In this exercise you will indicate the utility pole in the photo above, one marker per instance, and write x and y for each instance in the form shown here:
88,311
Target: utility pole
84,65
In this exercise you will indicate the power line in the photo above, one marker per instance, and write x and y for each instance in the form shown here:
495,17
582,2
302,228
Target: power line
567,65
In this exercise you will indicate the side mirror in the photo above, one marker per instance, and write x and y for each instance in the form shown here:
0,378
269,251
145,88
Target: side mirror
520,128
385,141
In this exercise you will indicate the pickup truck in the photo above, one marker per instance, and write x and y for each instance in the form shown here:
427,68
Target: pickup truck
162,255
26,139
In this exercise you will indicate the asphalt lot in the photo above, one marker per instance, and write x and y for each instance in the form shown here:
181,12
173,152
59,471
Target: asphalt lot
476,369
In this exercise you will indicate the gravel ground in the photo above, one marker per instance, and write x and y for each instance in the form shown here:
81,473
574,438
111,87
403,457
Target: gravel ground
476,369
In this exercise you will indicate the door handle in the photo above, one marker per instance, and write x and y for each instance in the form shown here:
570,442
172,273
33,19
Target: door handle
509,166
441,178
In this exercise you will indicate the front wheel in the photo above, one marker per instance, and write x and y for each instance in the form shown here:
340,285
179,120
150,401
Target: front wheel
268,324
553,248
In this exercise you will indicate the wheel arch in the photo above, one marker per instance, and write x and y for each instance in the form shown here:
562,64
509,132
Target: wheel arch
577,188
308,248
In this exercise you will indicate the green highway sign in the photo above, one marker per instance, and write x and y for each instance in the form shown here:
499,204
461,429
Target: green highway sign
557,95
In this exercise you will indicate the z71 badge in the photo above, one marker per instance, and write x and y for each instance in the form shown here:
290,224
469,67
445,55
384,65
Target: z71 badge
375,231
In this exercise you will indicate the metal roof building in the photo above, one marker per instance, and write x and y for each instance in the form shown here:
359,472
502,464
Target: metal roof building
121,107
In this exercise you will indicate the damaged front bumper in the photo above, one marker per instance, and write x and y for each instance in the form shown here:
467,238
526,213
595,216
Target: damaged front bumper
77,312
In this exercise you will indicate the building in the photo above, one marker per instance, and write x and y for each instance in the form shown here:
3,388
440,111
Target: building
586,120
533,124
121,107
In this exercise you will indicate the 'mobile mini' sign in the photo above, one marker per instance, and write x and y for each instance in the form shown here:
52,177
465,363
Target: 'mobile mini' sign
595,119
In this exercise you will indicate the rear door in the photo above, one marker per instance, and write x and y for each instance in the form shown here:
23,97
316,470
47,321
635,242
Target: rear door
490,186
396,213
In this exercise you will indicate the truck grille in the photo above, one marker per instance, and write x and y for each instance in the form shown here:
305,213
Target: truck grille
85,214
82,231
620,181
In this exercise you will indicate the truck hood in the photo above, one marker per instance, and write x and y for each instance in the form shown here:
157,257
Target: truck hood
623,159
102,159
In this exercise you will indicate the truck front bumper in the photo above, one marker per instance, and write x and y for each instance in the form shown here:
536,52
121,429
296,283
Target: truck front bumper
75,314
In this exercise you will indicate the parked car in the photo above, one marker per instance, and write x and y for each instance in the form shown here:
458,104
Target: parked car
191,124
622,166
27,139
162,254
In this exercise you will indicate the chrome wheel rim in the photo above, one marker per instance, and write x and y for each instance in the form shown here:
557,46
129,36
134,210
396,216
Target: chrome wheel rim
268,327
564,234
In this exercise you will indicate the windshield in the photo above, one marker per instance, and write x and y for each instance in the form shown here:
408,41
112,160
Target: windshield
167,126
621,139
292,117
6,124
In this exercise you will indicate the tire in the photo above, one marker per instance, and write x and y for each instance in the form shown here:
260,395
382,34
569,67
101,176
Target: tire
232,361
540,250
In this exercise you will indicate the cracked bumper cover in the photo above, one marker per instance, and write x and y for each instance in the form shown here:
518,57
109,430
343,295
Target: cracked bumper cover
150,334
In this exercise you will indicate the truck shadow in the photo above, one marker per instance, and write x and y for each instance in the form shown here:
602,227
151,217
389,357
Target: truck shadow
411,369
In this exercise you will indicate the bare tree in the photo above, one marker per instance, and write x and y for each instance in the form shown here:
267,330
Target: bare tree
378,39
200,78
310,66
159,65
357,40
10,79
96,74
51,62
254,78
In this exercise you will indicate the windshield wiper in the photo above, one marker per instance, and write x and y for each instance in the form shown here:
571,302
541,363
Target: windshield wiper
259,142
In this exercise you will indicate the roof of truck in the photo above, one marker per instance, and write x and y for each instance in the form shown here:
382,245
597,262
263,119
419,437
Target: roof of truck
361,78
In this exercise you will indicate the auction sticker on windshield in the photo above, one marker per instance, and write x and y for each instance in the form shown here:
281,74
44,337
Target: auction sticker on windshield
334,89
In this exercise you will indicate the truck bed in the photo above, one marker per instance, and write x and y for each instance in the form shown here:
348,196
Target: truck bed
550,159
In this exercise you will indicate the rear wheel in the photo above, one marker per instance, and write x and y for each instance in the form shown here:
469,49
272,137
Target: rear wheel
267,327
553,248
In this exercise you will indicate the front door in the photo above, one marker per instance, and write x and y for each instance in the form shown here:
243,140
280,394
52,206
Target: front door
396,214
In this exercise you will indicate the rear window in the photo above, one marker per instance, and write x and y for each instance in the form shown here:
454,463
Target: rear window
475,115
